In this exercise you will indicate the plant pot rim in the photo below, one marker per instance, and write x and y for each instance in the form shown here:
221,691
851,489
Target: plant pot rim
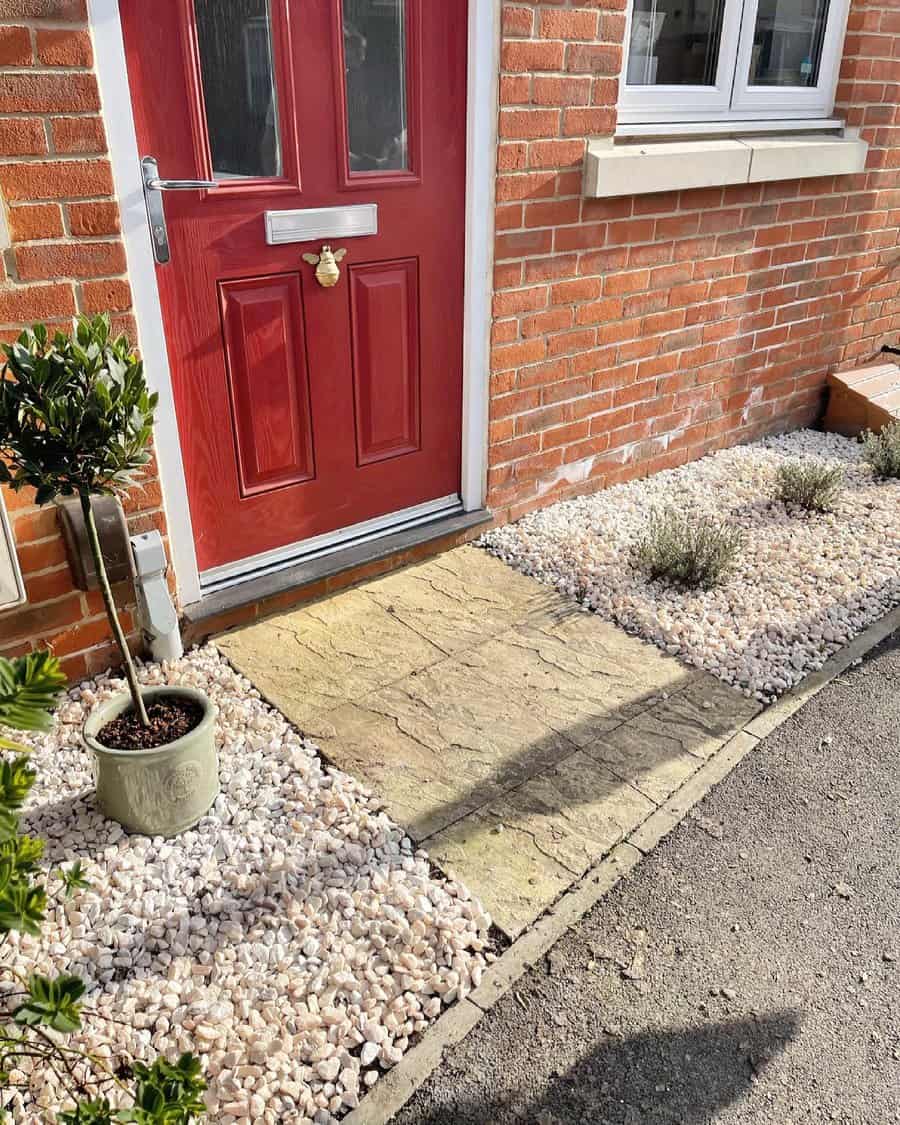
110,709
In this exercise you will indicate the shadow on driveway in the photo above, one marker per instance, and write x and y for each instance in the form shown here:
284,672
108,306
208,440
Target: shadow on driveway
661,1077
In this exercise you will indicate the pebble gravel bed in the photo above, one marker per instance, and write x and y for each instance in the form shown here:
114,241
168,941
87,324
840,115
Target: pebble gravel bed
295,938
804,585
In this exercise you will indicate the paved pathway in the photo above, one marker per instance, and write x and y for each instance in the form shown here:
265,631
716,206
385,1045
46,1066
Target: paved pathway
517,736
746,973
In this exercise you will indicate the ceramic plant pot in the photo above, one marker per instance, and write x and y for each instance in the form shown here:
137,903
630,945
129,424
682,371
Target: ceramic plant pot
158,792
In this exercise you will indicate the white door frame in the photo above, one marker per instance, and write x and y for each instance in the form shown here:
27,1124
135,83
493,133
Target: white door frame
481,145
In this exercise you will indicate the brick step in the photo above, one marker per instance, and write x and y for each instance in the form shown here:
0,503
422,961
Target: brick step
867,398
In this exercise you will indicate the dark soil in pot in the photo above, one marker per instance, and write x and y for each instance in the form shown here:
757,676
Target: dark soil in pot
171,718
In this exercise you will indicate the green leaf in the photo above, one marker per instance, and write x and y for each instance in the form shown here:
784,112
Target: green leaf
29,689
88,1113
9,825
45,494
16,782
52,1003
73,878
167,1093
22,907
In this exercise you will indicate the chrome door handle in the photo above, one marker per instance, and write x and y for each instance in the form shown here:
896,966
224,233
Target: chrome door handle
156,215
181,185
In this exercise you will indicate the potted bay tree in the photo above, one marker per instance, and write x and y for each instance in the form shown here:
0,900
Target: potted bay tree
76,419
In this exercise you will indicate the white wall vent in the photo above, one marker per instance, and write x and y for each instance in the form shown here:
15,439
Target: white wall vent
12,588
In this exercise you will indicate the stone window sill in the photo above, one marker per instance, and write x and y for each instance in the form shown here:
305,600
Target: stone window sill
616,167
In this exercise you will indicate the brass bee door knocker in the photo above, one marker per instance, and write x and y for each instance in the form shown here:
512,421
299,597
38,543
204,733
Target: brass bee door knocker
327,270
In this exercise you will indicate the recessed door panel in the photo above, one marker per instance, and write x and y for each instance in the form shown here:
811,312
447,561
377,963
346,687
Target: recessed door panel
265,350
384,300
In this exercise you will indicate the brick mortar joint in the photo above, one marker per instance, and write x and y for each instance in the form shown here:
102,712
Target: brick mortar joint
43,70
38,23
81,240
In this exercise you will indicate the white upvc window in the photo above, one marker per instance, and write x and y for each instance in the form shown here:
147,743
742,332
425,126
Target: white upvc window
721,60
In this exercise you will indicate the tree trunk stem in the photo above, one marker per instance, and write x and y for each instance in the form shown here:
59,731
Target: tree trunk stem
130,672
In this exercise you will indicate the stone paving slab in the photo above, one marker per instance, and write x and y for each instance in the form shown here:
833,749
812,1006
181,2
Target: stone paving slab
580,675
698,719
438,744
455,601
514,735
316,658
525,849
656,767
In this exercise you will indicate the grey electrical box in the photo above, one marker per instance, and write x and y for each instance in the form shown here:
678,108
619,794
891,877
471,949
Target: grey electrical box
114,543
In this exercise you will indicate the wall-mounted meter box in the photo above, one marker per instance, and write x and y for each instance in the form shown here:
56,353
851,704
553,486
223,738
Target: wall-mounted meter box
12,588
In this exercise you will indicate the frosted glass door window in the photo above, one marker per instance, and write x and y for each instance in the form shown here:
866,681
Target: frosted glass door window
787,42
674,43
375,74
235,43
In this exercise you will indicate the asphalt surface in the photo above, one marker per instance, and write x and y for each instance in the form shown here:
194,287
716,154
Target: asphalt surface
748,971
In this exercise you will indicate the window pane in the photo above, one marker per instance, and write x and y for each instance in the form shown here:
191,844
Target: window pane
674,42
787,42
375,64
235,41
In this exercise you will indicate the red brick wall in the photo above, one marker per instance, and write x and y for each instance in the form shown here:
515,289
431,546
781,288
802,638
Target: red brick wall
635,334
65,256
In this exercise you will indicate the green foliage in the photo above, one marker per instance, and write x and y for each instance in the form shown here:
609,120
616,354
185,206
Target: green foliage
22,902
73,878
165,1094
29,688
52,1003
36,1014
16,780
882,451
89,1113
76,416
693,553
811,485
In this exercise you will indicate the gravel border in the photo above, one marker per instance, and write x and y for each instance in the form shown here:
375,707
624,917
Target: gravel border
295,938
804,584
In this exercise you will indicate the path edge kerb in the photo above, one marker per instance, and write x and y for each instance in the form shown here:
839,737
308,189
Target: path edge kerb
395,1089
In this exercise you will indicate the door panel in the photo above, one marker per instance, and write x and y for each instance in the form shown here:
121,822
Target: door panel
265,352
303,409
384,302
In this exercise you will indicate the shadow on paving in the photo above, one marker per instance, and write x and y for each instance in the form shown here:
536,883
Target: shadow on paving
661,1077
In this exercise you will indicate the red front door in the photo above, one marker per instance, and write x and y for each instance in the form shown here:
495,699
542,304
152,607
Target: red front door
303,408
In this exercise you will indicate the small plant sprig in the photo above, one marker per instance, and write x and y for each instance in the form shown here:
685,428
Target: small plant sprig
29,689
76,419
811,485
165,1094
695,553
37,1012
882,451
